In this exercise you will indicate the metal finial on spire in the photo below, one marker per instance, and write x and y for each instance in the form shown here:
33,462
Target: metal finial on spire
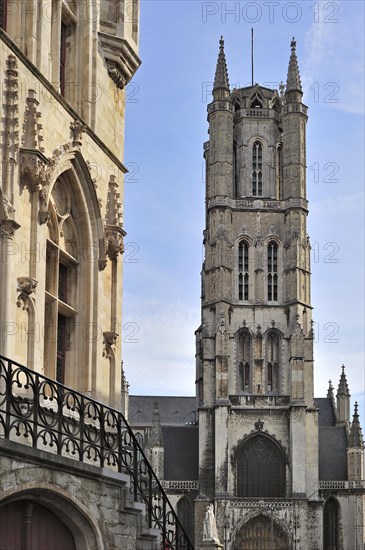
293,83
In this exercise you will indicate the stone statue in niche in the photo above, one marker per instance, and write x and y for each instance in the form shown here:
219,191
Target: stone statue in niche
210,527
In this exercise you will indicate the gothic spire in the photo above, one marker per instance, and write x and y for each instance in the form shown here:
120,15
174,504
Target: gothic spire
293,83
355,436
343,388
155,438
221,82
330,389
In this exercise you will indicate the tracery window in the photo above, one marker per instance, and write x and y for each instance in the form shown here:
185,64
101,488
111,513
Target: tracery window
243,270
244,358
62,264
272,353
260,468
257,169
330,525
272,271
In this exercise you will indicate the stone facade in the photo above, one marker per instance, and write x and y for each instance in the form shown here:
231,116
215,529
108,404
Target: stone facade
64,68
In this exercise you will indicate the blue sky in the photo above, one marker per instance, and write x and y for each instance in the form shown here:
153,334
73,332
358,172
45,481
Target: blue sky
164,192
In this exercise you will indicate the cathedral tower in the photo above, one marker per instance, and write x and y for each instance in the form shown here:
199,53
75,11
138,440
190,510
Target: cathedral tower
258,434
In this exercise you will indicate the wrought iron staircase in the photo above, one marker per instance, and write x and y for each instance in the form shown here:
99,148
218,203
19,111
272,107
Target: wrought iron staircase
51,417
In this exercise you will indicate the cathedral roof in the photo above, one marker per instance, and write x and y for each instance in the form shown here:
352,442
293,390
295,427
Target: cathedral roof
332,443
173,410
181,452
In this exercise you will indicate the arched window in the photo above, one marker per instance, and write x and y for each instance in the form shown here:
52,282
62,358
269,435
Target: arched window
257,169
243,272
186,517
272,271
256,102
330,525
64,269
260,468
272,355
244,376
3,9
244,359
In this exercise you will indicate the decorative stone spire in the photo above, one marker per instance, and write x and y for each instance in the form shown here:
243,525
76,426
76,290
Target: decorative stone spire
355,436
221,82
343,388
294,90
330,390
155,438
343,399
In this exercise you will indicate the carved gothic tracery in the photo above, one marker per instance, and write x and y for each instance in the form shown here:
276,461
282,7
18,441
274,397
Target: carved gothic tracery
114,232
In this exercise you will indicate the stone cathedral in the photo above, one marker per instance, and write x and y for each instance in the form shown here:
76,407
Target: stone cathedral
284,470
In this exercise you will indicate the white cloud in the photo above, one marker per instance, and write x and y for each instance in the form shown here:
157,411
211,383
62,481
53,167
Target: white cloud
333,69
333,205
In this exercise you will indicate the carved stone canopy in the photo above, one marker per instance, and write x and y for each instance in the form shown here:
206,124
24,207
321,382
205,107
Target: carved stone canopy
121,60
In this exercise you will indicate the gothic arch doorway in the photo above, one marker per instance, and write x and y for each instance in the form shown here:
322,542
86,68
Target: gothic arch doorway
27,525
260,533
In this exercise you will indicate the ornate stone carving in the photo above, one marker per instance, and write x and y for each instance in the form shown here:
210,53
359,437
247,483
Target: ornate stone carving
8,228
109,340
121,60
27,285
77,129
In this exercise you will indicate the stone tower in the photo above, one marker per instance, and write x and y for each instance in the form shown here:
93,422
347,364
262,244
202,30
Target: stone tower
258,426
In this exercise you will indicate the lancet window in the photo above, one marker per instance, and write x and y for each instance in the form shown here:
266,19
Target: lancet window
272,353
243,270
330,525
62,265
244,358
272,271
257,169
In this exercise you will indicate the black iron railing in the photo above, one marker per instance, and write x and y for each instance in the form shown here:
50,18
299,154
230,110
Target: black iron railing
40,412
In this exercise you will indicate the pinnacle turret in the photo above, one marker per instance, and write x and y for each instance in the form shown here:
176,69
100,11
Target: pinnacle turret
155,438
221,82
355,436
330,389
294,90
343,388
